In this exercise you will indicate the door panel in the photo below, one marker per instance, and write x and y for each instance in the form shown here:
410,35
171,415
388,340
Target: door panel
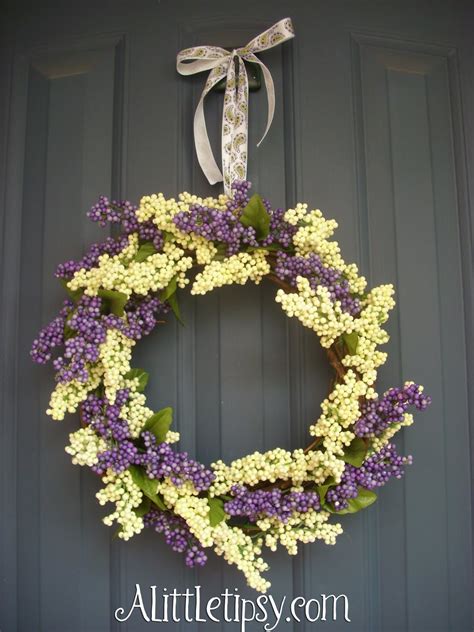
406,128
373,114
69,144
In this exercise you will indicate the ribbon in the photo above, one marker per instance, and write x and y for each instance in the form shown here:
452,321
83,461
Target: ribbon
235,112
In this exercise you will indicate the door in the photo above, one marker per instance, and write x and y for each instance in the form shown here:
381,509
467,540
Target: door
374,125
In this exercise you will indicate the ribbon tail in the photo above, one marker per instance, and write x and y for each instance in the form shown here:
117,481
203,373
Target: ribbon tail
228,123
270,88
203,146
240,131
201,139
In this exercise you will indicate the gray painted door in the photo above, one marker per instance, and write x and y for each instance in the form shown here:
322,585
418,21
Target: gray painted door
374,125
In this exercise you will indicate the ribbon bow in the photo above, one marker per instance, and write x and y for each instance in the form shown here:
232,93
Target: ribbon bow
235,112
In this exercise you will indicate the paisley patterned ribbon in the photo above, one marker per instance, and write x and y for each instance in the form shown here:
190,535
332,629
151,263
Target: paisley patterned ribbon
235,113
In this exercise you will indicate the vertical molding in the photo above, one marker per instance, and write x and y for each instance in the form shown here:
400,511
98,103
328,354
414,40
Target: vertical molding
17,75
118,188
119,114
295,368
29,439
360,157
370,519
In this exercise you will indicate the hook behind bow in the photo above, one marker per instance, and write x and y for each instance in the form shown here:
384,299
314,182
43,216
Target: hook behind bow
254,75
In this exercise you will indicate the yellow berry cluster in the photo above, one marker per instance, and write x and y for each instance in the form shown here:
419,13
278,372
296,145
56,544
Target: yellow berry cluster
316,310
238,269
67,396
277,464
115,356
85,446
121,490
230,542
123,274
301,527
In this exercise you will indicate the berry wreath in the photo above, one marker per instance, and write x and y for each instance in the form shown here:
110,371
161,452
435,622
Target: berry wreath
117,292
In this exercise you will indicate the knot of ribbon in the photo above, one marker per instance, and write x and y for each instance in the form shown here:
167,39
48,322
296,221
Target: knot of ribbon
222,64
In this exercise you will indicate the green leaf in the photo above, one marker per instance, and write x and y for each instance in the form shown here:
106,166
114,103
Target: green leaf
322,489
143,508
221,251
115,301
216,511
173,303
68,332
142,377
169,295
159,423
256,215
168,237
169,290
147,485
363,500
351,341
242,525
356,452
144,251
159,503
75,295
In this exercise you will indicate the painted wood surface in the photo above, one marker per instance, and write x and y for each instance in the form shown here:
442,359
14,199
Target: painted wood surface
374,126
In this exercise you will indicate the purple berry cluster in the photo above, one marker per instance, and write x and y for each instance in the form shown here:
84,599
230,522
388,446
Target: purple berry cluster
104,417
104,212
215,225
109,246
87,327
83,347
224,227
289,268
379,414
177,536
377,470
272,503
281,233
122,213
51,336
159,460
220,226
142,313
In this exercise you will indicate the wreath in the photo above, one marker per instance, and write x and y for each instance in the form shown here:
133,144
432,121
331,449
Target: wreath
119,291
